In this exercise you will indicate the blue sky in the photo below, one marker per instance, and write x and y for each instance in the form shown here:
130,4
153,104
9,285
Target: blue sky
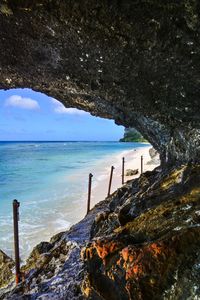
28,115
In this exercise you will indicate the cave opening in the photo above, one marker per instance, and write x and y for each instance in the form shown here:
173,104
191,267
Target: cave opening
108,69
46,149
40,117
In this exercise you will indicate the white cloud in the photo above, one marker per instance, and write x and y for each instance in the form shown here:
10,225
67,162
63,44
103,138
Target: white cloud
22,102
59,108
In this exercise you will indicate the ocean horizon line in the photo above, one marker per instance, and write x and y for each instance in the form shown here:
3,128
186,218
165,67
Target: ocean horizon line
51,176
59,141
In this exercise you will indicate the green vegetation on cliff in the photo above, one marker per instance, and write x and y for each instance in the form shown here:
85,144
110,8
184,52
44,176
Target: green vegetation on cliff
132,135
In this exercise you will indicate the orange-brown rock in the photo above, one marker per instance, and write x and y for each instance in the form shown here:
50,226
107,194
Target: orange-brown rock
150,256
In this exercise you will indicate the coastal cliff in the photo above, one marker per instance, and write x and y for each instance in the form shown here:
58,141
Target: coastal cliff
136,62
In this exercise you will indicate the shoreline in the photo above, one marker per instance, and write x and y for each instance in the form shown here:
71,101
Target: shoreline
69,213
132,161
101,174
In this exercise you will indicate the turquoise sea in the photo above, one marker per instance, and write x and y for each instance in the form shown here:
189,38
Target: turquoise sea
49,179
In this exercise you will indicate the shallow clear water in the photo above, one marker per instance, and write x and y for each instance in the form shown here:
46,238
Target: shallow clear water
50,181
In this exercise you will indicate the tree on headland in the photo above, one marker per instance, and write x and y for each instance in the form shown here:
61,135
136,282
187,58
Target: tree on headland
132,135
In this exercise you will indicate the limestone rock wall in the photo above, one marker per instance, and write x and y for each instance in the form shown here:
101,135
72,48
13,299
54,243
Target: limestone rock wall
136,62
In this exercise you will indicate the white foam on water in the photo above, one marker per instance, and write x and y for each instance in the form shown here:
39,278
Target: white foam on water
57,211
28,226
62,224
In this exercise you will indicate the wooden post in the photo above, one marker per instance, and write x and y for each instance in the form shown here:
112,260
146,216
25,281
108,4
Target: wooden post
89,192
141,164
110,181
123,163
16,205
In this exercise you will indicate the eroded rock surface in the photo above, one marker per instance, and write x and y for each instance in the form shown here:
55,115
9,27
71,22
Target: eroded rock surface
155,157
131,172
136,62
6,266
154,252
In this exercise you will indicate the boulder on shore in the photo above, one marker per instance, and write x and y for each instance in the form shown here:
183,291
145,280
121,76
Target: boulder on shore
155,158
153,152
130,172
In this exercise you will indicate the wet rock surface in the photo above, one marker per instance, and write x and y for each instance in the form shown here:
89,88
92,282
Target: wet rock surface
56,270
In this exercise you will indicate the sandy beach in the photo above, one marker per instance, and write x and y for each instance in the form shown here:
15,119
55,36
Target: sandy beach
74,211
132,161
68,196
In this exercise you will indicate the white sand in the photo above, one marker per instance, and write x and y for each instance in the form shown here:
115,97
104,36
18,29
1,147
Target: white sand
132,161
69,214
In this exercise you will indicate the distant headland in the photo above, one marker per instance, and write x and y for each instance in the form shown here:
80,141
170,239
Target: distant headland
132,135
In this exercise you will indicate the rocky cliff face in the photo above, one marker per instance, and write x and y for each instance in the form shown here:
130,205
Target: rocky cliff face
136,62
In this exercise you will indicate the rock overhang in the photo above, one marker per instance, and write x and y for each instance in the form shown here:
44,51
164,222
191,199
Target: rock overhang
134,62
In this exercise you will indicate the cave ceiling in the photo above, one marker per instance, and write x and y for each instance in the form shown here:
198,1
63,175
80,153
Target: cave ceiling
137,62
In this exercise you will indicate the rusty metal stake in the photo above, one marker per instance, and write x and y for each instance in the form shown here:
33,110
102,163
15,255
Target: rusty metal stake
89,192
141,164
110,181
16,205
123,163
